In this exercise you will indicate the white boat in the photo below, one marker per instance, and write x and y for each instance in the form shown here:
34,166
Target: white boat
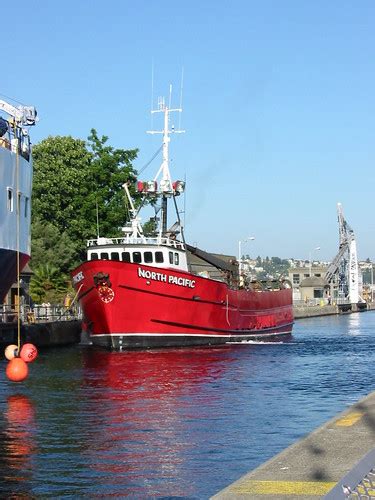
15,191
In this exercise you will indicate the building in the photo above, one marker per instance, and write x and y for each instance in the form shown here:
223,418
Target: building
309,284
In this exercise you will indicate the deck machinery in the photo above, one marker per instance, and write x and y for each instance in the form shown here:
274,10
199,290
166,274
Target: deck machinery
343,270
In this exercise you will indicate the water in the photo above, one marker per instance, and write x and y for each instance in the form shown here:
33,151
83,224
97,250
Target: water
181,423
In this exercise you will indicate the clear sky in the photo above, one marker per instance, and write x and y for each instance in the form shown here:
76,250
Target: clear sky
278,101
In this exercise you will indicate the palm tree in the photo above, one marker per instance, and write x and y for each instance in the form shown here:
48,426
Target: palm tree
47,284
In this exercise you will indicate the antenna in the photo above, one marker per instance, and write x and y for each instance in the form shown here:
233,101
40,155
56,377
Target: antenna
162,181
152,93
181,89
170,96
184,223
97,217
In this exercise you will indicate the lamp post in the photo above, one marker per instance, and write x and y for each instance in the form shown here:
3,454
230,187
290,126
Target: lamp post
317,248
249,238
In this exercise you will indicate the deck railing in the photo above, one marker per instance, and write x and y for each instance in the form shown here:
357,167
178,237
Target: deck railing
39,313
130,240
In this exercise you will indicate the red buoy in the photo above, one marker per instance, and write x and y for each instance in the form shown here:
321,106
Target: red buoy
28,352
17,370
11,351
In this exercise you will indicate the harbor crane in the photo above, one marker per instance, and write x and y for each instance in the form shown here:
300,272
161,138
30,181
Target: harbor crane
22,115
344,268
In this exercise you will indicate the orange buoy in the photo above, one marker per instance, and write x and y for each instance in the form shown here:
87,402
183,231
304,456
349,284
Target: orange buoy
28,352
17,370
11,351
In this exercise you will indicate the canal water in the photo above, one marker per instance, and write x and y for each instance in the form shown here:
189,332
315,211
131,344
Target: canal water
175,423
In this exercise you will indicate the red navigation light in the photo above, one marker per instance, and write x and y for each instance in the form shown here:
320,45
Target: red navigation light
147,186
179,187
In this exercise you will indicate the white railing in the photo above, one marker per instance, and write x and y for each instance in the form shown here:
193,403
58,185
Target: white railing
39,313
130,240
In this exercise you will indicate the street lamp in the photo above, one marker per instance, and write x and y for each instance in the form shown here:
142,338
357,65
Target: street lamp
317,248
249,238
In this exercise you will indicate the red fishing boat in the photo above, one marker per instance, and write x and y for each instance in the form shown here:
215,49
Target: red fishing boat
145,291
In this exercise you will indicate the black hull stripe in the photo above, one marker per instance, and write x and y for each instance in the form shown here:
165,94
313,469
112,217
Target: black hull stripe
170,296
201,301
229,331
135,341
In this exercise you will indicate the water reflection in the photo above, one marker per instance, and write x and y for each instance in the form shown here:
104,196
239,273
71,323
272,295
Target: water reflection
146,412
18,444
354,324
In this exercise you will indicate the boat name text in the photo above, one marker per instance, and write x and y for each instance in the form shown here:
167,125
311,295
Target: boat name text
174,280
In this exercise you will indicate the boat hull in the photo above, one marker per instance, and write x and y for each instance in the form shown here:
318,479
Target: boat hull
11,167
134,306
8,269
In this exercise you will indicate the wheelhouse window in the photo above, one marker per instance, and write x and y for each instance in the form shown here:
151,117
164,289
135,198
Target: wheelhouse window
137,258
115,256
148,257
125,256
94,256
176,258
171,257
10,199
159,258
104,255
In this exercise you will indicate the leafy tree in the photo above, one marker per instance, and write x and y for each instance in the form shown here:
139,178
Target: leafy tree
73,181
150,227
51,246
48,284
60,187
109,169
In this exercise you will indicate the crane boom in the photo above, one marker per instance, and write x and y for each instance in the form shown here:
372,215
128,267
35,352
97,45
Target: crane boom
23,115
345,265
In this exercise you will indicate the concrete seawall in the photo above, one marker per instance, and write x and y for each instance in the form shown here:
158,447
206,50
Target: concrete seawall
336,458
325,310
43,334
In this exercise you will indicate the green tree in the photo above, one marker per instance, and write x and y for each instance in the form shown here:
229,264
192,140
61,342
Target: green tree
150,227
50,246
73,181
48,284
60,187
110,169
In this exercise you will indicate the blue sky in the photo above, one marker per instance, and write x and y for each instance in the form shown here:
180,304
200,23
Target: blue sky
278,101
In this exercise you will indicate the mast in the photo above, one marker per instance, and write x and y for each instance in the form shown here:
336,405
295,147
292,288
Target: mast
163,184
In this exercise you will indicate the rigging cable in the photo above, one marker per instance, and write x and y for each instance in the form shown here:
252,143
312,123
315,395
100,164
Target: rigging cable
18,199
152,159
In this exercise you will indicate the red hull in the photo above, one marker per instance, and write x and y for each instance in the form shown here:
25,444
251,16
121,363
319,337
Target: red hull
129,305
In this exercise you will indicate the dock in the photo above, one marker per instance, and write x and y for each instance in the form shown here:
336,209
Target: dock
43,326
336,461
311,311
